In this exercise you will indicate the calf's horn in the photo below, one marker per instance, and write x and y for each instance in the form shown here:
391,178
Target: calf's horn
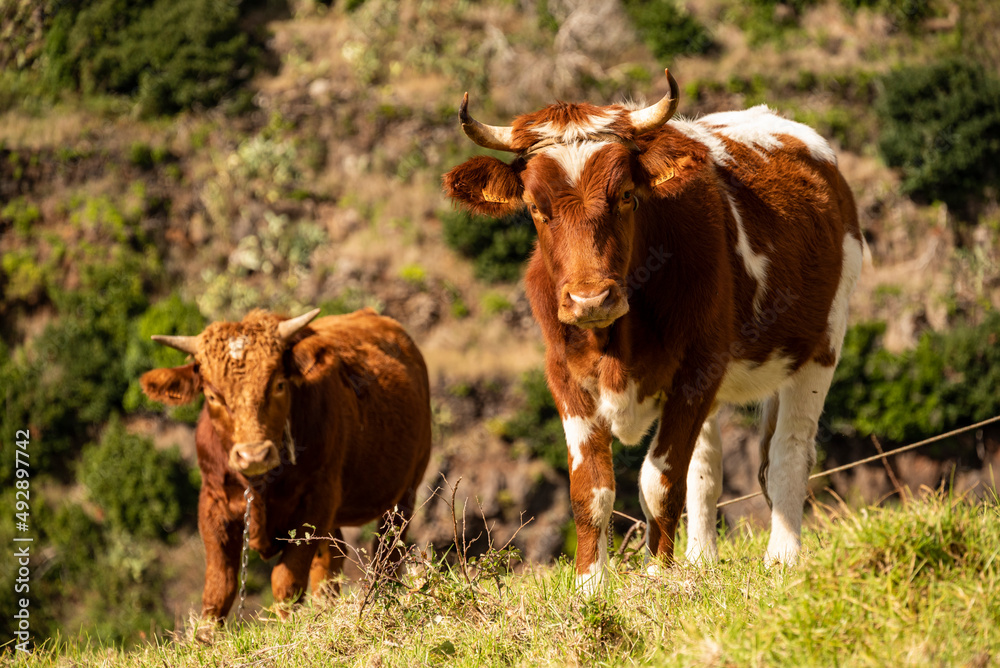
287,328
496,137
653,117
185,344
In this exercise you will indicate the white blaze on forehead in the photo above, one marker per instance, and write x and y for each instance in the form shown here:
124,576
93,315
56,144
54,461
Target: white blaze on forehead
236,346
756,264
760,126
577,430
574,157
574,130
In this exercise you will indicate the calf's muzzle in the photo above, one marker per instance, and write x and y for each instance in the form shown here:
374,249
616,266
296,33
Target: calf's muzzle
590,306
254,458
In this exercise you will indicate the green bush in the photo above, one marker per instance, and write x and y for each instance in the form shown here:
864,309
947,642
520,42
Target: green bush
908,14
667,29
167,55
139,489
497,246
941,126
768,20
170,316
71,377
949,380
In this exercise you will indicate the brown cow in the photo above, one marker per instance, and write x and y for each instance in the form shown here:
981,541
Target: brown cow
329,422
679,265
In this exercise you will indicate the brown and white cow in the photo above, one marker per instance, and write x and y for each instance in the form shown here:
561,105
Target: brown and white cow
328,421
680,265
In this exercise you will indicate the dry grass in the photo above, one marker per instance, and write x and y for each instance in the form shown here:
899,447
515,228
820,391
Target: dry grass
911,585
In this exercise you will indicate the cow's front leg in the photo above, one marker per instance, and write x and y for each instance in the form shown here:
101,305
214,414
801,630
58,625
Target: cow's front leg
223,541
704,485
663,478
592,492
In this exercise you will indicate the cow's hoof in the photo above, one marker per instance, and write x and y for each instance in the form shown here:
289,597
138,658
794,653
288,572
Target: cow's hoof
590,583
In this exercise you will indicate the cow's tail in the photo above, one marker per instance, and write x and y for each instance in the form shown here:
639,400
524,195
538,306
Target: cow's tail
768,423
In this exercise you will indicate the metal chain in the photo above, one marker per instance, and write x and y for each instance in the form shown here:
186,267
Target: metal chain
245,555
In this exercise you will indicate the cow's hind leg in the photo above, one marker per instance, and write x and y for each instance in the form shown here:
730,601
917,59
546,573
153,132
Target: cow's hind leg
704,485
327,565
290,576
791,456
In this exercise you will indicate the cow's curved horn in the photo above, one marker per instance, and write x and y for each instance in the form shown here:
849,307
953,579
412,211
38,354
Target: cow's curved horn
185,344
653,117
288,328
496,137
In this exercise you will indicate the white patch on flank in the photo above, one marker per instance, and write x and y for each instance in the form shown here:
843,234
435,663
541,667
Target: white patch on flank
574,131
629,419
760,127
756,264
746,381
716,147
574,157
577,430
236,346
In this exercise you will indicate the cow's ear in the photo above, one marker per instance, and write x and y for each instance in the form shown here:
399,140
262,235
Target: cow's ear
176,387
669,163
308,359
485,185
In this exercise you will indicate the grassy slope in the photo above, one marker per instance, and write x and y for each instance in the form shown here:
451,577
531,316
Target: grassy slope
912,585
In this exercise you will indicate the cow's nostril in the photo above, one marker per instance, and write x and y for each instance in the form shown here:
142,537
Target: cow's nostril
596,300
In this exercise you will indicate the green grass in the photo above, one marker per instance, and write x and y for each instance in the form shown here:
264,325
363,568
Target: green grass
916,584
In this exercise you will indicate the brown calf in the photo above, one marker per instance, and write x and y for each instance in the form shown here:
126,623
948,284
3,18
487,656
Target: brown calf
679,265
329,422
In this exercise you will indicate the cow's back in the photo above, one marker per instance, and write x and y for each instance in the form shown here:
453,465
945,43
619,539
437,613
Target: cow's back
378,394
791,218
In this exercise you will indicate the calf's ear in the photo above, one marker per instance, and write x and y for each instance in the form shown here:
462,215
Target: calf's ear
308,359
669,163
177,386
485,185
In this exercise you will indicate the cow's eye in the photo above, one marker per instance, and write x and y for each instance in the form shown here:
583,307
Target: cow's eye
279,387
532,208
627,196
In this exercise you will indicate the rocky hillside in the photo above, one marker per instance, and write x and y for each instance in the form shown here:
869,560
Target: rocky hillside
299,165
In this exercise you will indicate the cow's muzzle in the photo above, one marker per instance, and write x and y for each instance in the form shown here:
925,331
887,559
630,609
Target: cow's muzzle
254,458
592,305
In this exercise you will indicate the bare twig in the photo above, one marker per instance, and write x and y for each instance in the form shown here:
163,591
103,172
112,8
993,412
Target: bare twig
888,469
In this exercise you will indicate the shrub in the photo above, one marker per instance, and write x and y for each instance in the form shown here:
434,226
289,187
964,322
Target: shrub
139,489
667,29
949,380
71,377
908,14
497,246
941,126
167,55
